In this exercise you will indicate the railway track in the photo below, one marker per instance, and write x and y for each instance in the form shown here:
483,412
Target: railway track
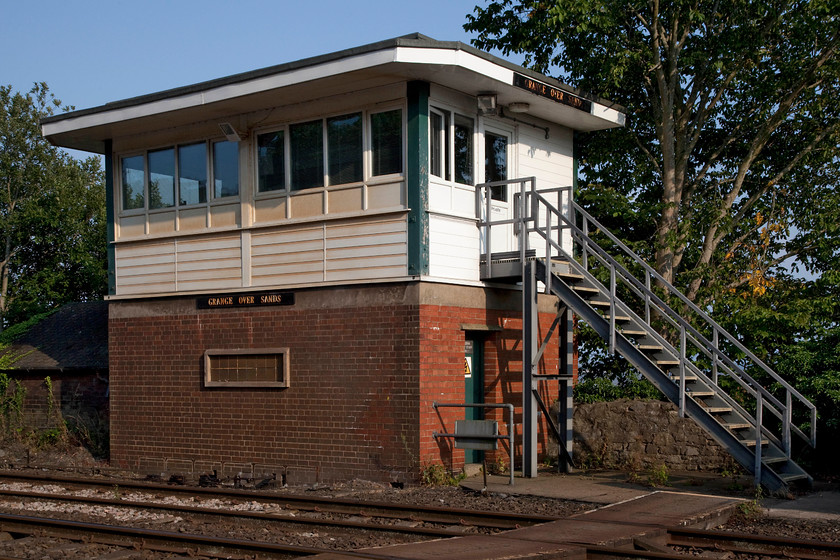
274,531
678,543
421,520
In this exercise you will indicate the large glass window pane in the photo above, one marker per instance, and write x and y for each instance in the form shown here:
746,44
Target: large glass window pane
133,176
495,163
271,162
386,142
344,148
225,169
192,174
307,155
162,178
463,141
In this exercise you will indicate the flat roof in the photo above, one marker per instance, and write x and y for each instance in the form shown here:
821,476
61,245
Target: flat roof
410,57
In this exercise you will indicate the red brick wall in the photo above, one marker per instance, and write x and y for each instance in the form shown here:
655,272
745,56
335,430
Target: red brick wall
442,339
350,411
365,367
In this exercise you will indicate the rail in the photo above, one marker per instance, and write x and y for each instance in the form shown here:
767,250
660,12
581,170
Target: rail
535,217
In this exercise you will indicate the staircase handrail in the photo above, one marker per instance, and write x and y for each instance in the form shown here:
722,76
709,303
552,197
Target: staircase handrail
584,239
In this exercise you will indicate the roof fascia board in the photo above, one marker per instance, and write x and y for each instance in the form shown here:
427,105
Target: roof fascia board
220,93
454,58
413,49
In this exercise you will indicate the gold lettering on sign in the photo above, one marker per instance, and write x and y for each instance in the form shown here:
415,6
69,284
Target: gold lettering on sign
246,300
550,92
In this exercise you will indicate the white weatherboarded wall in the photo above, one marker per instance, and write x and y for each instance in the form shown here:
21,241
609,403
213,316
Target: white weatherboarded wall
453,236
366,248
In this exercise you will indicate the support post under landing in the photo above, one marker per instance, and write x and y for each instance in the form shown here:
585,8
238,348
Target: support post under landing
530,346
565,397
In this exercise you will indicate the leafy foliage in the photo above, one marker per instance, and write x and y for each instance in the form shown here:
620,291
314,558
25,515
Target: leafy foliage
733,127
52,214
733,123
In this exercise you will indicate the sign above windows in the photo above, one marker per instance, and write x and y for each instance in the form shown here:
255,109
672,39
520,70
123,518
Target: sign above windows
551,92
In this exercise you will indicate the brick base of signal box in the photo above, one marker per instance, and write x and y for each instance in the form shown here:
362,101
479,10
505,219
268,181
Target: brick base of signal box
366,365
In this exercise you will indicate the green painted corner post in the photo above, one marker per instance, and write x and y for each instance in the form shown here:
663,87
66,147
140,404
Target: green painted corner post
417,177
110,212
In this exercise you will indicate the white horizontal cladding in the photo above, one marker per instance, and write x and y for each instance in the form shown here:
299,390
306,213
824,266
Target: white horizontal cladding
359,249
145,269
291,255
450,57
177,265
366,250
453,248
213,262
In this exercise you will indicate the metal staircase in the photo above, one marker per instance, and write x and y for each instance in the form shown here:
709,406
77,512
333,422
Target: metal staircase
691,359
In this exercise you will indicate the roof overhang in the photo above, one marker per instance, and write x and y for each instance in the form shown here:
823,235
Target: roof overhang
450,64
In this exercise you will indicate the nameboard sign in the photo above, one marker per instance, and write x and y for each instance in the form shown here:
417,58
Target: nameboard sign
255,299
550,92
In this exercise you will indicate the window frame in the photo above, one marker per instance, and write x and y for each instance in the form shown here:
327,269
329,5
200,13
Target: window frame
450,116
367,152
498,132
284,383
211,199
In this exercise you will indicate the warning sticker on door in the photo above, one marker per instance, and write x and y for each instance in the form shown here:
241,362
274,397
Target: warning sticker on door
467,366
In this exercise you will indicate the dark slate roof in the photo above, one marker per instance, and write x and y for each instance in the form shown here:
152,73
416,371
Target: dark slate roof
73,338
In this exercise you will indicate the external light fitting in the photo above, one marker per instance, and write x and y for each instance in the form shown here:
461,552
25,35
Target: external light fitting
230,132
486,103
519,107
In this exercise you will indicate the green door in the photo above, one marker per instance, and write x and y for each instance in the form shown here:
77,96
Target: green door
473,387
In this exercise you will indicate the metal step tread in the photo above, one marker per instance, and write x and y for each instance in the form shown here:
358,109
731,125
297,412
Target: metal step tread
700,394
732,426
688,377
632,333
791,477
717,409
618,317
774,460
751,442
667,362
650,347
586,290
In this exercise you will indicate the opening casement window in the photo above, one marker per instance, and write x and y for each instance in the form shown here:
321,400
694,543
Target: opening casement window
330,151
180,175
451,138
267,367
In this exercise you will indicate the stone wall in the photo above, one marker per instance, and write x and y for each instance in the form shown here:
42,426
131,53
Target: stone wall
638,435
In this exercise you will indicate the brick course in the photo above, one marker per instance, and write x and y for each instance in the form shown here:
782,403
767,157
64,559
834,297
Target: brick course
365,366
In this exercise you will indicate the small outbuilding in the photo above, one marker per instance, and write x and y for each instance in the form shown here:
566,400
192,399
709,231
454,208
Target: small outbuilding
61,366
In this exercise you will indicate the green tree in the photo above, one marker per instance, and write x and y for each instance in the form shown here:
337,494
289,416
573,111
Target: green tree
732,141
733,126
52,214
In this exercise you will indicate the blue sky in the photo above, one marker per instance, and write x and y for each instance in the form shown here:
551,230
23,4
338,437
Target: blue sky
94,51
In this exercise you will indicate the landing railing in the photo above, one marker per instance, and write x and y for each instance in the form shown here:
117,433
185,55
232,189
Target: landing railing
694,334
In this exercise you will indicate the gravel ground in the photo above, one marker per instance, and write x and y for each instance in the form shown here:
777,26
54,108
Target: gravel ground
453,497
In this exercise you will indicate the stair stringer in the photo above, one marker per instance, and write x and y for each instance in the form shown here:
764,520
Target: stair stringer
726,439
